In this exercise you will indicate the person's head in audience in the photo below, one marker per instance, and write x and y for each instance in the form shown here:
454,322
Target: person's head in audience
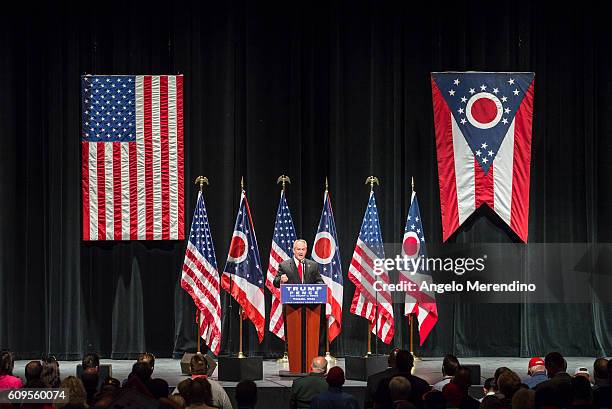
600,371
536,365
434,400
554,363
50,372
583,372
33,371
110,386
463,377
404,361
91,362
158,388
492,402
7,363
198,365
399,387
246,394
199,392
498,372
319,365
454,394
335,377
392,357
148,358
583,394
142,371
523,398
508,383
77,396
489,387
178,400
450,364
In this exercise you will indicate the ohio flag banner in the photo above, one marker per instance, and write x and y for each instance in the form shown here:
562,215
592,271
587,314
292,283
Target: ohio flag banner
132,157
483,143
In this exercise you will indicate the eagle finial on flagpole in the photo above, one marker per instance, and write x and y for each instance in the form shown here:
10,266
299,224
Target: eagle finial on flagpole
201,180
372,180
283,179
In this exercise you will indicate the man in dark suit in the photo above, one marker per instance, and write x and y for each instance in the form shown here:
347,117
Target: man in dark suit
375,379
404,361
298,269
559,381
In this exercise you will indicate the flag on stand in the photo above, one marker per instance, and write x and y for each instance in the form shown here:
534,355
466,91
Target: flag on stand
132,157
326,252
242,276
483,142
366,299
200,277
282,249
420,303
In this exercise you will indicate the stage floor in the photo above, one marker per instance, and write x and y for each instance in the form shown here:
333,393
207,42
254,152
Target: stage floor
427,368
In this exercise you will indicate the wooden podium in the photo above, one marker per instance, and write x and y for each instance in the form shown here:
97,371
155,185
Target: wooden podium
302,320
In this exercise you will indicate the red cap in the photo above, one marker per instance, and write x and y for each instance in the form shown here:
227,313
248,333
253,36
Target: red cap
535,361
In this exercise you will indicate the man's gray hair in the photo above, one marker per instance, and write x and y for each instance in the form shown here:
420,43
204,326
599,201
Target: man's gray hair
302,240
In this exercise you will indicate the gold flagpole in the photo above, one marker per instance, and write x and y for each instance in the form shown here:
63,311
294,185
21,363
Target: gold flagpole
241,311
411,319
371,180
200,180
331,360
282,179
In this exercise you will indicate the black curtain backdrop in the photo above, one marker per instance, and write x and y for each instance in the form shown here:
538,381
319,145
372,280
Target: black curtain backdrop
336,89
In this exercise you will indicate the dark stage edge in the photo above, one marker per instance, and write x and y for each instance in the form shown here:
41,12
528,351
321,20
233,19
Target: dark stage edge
274,391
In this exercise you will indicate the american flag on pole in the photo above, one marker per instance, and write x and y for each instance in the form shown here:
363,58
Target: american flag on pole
242,276
361,272
420,303
132,157
326,252
282,249
200,277
483,142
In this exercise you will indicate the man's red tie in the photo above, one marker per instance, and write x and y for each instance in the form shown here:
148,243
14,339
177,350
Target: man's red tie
300,271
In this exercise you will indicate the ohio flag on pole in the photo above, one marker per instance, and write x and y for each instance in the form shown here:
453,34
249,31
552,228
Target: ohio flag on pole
418,302
132,157
369,248
200,277
282,249
242,276
483,142
326,252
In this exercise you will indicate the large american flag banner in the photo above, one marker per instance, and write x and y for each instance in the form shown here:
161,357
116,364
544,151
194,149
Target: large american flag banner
483,142
420,303
242,276
369,247
200,277
282,249
132,157
326,252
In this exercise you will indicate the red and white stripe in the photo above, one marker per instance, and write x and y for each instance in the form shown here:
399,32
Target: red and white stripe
134,190
277,322
366,298
463,185
421,303
201,280
333,308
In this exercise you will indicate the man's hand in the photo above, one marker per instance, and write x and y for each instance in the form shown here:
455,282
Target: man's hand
284,278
